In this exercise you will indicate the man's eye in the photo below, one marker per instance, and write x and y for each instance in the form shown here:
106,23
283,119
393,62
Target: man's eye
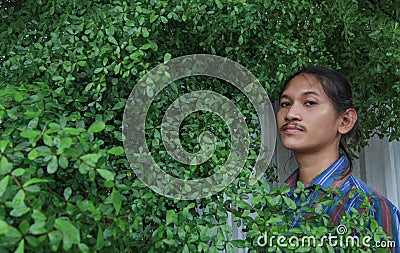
285,104
310,103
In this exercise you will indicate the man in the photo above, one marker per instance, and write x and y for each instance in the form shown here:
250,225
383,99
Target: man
316,119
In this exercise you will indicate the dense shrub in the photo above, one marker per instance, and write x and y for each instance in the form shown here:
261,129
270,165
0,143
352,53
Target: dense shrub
67,68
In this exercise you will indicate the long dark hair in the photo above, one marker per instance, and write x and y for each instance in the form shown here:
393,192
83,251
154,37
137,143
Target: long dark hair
338,89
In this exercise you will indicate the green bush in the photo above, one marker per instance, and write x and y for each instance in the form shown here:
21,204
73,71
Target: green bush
67,68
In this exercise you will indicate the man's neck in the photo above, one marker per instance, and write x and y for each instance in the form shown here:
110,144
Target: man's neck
311,165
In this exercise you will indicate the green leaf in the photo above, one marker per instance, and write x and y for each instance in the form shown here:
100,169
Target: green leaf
57,78
171,217
185,249
67,193
21,247
289,202
97,126
84,168
274,200
38,216
257,199
91,159
374,225
145,32
158,233
18,172
164,19
39,151
106,174
100,239
319,209
55,238
117,68
116,150
18,97
5,166
3,185
63,162
119,105
112,40
30,133
300,185
219,4
83,247
38,180
105,60
275,218
66,142
3,145
33,154
116,200
52,166
33,123
18,204
242,204
70,233
241,39
48,140
13,233
167,57
38,228
3,227
98,70
170,242
18,198
238,243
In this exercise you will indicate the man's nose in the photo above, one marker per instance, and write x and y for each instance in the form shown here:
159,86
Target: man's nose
293,113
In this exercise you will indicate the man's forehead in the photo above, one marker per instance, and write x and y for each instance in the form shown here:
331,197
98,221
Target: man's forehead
304,84
306,79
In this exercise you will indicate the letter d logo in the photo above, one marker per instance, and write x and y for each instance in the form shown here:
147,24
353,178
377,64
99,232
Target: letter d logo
262,240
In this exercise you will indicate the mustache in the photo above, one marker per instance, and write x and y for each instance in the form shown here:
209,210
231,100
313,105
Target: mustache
297,125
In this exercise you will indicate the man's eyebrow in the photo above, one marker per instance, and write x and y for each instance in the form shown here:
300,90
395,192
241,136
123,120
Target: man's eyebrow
306,93
284,96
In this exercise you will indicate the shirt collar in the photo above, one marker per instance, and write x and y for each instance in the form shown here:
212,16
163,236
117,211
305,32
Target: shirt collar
332,177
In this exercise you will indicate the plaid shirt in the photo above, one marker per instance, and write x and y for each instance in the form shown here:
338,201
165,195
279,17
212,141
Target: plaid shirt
338,176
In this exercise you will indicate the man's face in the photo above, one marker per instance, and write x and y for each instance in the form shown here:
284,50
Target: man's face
307,119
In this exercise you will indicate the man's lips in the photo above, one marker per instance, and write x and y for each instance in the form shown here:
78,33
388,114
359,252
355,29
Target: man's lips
292,128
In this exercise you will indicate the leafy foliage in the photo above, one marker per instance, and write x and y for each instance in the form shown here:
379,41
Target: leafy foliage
67,68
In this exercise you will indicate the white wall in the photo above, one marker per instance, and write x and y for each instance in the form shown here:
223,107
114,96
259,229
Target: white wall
380,167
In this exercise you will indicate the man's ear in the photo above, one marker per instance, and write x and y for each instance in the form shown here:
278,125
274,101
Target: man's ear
347,121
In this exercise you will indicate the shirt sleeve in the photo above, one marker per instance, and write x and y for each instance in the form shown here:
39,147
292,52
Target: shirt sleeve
388,217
